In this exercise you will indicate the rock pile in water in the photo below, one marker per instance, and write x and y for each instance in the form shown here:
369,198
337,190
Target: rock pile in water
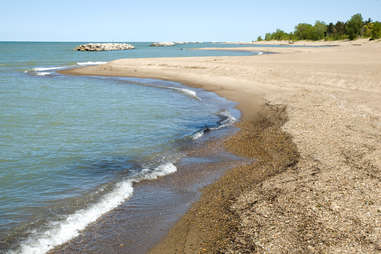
163,44
104,46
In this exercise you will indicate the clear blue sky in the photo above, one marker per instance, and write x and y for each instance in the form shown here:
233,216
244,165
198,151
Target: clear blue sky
163,20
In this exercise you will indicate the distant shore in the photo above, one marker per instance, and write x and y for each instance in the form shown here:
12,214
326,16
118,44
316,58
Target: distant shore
311,120
302,42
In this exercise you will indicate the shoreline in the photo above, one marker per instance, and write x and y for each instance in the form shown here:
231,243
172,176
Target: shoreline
181,187
140,222
262,126
322,88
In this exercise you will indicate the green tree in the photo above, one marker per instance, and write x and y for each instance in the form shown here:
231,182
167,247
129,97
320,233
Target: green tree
319,30
340,28
331,29
259,38
303,31
331,32
280,35
292,37
366,30
376,31
351,29
353,26
339,31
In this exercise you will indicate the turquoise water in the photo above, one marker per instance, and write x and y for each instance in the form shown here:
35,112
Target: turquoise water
71,148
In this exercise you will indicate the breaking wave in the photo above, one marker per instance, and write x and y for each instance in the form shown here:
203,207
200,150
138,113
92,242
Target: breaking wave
59,232
90,63
188,92
38,69
226,120
43,71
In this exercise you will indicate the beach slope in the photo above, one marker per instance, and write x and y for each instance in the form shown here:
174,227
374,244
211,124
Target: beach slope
312,121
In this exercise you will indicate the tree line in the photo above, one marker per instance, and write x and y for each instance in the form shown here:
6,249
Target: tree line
355,27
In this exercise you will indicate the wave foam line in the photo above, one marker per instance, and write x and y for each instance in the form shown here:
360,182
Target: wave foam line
47,68
90,63
185,91
198,134
59,232
226,120
43,73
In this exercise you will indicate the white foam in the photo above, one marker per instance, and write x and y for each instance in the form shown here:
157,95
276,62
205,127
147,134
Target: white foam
198,135
188,92
47,68
260,53
162,170
43,73
90,63
228,121
59,232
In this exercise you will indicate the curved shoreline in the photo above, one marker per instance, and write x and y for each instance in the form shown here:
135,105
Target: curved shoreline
228,106
308,203
260,138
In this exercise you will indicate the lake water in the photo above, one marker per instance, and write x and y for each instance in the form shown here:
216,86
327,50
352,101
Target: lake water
72,148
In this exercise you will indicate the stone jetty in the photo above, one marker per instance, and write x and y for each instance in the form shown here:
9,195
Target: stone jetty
104,46
163,44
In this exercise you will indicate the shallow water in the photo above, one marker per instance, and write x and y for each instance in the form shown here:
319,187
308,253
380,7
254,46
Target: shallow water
71,148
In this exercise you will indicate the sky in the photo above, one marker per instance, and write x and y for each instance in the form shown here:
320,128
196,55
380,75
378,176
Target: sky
164,20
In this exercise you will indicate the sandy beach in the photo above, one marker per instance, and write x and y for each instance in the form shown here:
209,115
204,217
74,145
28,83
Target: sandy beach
312,122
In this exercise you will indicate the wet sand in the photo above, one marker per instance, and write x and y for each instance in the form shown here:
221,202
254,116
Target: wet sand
311,119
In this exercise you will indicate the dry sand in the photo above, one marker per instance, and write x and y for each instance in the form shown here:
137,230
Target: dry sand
312,119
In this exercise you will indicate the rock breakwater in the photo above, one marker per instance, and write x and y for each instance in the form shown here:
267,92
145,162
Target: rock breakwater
104,46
